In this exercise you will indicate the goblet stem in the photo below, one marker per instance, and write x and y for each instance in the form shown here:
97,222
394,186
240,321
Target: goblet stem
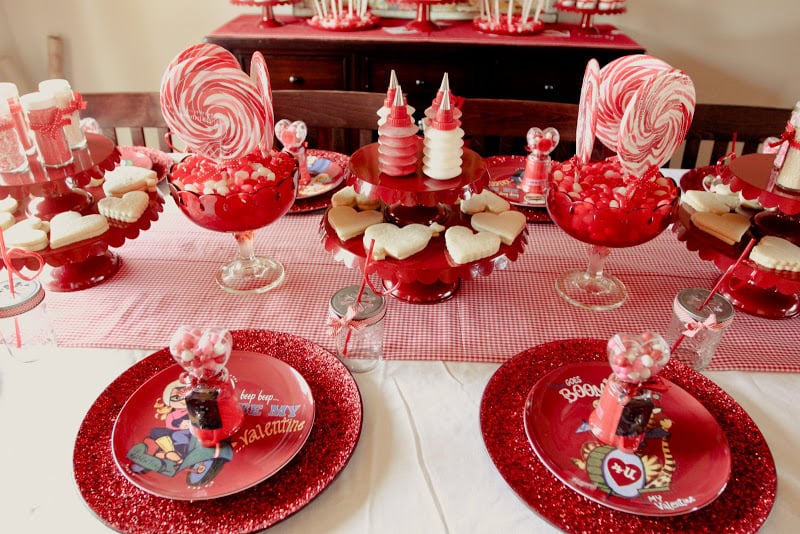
245,242
590,288
597,260
249,273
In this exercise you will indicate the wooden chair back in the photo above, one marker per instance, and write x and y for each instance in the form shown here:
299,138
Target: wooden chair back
133,118
714,125
342,121
500,126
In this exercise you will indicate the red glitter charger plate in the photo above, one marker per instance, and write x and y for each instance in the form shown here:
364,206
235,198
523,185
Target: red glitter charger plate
742,507
336,431
683,464
252,454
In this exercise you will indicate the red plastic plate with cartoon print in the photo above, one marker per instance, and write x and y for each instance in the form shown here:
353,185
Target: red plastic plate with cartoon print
683,464
155,450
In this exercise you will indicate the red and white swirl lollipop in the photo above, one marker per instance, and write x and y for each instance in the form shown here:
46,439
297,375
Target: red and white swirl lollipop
655,122
619,80
587,112
259,73
212,106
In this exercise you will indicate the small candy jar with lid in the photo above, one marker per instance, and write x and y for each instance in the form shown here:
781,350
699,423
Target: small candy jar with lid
292,135
356,324
214,411
537,165
12,152
621,416
696,329
24,324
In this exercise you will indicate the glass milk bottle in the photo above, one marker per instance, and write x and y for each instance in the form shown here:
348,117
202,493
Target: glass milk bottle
24,324
357,327
69,106
698,331
10,93
46,122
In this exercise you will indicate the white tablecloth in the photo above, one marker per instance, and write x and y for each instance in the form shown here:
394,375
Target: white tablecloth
420,465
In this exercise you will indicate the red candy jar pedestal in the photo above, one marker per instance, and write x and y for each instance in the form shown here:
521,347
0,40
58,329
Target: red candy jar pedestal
751,288
428,276
422,21
587,14
44,192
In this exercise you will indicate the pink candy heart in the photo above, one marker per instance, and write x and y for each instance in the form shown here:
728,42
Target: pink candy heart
542,141
636,359
202,352
291,134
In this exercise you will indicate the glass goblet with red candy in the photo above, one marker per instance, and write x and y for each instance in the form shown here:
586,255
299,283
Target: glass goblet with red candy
599,205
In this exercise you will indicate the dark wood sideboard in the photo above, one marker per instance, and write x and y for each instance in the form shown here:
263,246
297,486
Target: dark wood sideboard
548,66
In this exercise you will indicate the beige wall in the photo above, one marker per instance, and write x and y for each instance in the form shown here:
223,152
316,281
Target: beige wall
732,49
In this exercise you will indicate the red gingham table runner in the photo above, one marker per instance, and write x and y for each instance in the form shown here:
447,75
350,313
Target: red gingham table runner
166,280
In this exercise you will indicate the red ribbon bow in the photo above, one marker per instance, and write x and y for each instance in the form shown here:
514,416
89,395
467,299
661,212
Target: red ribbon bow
337,324
51,127
76,104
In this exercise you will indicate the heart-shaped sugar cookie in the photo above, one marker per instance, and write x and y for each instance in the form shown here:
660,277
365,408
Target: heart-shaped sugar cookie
776,253
465,247
399,243
506,225
6,220
126,209
349,223
70,227
9,204
347,196
28,234
728,227
486,200
129,178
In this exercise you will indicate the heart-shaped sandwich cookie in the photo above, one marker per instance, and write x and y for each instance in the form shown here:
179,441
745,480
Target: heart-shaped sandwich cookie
70,227
129,178
776,253
710,202
486,200
9,204
399,243
506,225
465,247
349,223
28,234
347,196
126,209
728,227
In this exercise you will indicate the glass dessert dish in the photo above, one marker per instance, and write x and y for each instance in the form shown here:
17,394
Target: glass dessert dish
608,213
239,210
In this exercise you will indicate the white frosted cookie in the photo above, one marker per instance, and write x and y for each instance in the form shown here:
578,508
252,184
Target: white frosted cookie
28,234
9,204
486,200
727,227
349,223
127,208
710,202
399,243
506,225
776,253
70,227
347,196
6,220
129,178
465,246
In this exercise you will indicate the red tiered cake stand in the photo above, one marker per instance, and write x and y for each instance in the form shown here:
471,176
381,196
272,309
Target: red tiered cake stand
44,192
268,19
587,14
422,21
428,276
751,288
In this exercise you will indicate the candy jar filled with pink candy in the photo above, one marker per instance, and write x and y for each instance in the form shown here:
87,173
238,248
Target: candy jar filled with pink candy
626,403
214,412
233,181
641,108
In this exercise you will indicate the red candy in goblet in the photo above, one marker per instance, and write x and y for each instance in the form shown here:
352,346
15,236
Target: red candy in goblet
599,205
238,197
